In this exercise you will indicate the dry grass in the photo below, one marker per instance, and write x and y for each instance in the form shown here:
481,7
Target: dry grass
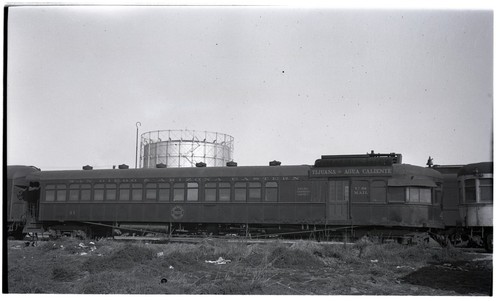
110,267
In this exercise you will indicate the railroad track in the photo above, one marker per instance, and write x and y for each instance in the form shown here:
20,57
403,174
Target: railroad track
195,240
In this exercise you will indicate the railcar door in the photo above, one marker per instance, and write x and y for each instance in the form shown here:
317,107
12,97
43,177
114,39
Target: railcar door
338,200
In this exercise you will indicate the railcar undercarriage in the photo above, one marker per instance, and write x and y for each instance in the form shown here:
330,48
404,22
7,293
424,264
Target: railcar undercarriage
84,230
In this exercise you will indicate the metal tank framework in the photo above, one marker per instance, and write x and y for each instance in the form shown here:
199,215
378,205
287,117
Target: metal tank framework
185,148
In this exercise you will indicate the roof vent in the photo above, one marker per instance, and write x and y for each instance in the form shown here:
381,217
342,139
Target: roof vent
87,167
231,164
123,166
201,164
274,163
161,165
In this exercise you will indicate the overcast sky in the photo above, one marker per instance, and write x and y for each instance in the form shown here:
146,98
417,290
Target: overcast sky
289,84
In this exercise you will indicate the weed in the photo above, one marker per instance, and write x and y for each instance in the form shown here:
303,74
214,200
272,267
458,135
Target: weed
342,253
223,287
447,254
121,259
302,268
182,261
65,272
285,257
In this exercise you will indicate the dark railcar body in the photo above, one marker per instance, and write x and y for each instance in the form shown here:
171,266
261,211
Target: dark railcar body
451,216
21,200
332,192
186,200
476,201
476,194
393,195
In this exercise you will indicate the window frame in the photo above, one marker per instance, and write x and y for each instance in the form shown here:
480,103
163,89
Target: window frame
484,184
239,187
251,190
470,190
60,192
419,191
271,188
192,192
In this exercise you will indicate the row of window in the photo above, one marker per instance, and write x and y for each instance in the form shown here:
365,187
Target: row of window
472,186
163,192
361,192
364,191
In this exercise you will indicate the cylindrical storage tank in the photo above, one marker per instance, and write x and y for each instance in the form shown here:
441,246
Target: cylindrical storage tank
185,148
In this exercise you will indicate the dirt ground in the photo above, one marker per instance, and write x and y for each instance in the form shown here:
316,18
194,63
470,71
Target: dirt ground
108,267
462,277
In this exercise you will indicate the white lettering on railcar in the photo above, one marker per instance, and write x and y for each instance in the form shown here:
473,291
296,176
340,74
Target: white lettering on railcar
350,171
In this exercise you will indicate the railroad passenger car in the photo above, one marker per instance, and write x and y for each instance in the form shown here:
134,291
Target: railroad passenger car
476,201
372,193
362,191
21,199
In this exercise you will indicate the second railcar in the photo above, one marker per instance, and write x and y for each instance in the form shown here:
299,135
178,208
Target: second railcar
476,201
21,200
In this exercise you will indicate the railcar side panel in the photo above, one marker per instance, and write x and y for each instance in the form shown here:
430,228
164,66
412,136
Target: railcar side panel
477,215
387,195
450,197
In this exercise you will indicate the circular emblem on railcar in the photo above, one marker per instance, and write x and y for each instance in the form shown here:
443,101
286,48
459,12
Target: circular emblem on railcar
177,212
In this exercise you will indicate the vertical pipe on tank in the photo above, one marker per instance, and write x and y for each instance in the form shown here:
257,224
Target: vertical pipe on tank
137,124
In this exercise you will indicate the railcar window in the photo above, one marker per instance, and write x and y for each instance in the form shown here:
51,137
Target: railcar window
419,195
378,193
99,192
192,192
271,192
486,190
85,192
137,192
425,195
110,192
396,194
470,191
60,193
124,192
240,191
254,191
164,192
50,193
179,192
224,191
74,192
151,191
79,192
412,194
210,192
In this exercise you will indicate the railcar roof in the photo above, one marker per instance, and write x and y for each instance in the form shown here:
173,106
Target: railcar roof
188,172
447,169
18,171
299,170
413,170
480,167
